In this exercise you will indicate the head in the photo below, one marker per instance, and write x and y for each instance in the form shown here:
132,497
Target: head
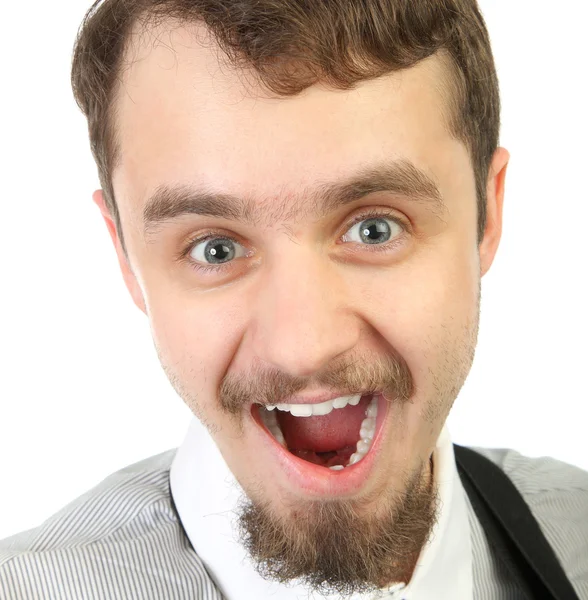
303,197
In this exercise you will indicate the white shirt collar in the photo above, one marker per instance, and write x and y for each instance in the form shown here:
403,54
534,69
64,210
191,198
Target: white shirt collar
206,493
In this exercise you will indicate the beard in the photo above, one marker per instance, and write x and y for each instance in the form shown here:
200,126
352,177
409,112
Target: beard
337,547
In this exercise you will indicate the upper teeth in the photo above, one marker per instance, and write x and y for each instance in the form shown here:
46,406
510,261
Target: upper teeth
324,408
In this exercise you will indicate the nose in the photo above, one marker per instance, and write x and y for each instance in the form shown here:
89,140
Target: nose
303,318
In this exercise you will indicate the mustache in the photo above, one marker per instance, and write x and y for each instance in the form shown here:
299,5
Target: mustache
388,374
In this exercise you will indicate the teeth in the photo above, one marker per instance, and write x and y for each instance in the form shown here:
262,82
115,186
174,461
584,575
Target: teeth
368,427
277,433
366,432
271,421
343,401
324,408
364,445
301,410
337,468
354,400
372,410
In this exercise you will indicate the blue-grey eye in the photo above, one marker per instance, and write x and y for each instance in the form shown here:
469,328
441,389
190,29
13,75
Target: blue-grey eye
373,231
216,251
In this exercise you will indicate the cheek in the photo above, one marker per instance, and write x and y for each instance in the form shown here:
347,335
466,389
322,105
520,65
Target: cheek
196,336
427,309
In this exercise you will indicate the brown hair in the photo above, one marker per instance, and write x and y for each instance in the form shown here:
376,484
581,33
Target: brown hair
293,44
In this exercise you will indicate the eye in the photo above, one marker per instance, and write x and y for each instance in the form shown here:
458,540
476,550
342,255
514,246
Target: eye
212,253
373,230
216,251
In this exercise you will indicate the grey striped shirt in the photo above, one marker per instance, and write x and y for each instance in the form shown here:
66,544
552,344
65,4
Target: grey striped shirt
124,540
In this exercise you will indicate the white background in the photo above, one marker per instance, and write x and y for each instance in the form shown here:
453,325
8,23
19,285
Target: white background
81,391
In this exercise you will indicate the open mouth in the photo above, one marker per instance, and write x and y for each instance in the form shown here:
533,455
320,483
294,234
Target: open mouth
335,434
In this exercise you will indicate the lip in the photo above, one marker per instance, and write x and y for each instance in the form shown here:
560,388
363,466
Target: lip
318,481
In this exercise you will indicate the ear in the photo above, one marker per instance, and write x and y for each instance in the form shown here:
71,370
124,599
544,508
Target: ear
494,202
127,273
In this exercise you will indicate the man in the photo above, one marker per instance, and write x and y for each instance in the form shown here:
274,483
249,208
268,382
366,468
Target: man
303,197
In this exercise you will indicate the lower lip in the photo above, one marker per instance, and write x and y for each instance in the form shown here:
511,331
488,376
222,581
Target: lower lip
320,481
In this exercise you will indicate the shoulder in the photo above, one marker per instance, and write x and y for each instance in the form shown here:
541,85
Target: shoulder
534,476
101,511
113,535
557,494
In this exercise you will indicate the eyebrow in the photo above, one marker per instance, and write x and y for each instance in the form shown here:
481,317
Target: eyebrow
401,177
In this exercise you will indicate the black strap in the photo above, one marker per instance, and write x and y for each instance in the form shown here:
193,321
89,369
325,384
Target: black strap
512,531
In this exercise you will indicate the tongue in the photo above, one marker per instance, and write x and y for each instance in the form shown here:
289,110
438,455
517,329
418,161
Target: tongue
335,431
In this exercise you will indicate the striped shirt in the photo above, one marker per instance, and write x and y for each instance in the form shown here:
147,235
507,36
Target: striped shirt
124,539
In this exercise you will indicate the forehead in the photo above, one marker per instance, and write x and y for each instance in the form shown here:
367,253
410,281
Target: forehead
185,115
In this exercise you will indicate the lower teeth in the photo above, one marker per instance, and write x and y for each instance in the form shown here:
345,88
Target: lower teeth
366,432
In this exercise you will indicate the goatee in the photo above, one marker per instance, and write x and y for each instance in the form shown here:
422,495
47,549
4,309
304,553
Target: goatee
336,546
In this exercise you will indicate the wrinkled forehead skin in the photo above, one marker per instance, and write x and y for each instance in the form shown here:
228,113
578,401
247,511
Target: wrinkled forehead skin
184,115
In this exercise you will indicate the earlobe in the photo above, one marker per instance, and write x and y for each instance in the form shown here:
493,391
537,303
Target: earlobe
127,273
494,203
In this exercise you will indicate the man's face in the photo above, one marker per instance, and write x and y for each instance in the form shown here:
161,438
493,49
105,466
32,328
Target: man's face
287,298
